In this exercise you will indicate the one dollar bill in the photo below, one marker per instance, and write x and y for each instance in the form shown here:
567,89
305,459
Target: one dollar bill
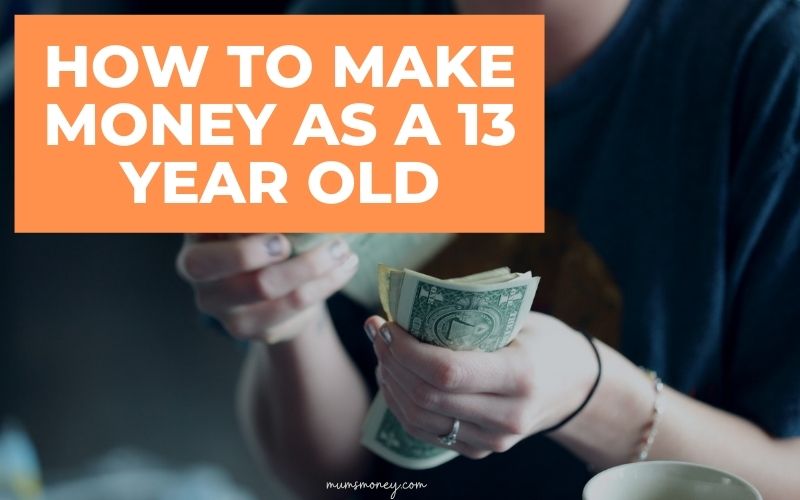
479,312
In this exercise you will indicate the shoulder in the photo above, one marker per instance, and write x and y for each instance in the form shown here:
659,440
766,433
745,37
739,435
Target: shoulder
766,111
720,19
738,62
717,32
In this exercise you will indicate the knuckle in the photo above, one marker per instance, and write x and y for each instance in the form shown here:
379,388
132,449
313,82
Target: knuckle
299,298
316,262
496,445
524,384
447,376
267,283
425,396
515,422
475,454
238,326
501,444
190,265
261,285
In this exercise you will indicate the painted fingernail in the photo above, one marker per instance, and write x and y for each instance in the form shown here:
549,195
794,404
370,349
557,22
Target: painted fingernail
386,334
369,328
274,246
337,249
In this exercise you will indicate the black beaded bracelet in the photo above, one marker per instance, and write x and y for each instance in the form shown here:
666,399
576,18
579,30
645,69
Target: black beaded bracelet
575,413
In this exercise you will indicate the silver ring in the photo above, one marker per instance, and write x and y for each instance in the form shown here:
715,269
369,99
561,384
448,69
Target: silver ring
449,439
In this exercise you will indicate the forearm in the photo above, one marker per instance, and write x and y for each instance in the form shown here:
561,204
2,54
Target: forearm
609,429
302,403
697,432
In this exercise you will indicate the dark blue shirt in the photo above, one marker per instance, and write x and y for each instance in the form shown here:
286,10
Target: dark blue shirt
672,156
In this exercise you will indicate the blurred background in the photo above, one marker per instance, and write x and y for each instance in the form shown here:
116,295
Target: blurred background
102,348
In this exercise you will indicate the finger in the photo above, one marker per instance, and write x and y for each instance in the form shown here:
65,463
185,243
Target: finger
388,395
209,260
487,410
372,326
278,280
497,413
449,371
231,292
435,423
461,447
253,320
273,281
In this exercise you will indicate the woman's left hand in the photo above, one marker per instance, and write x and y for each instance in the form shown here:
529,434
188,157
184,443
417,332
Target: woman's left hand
500,397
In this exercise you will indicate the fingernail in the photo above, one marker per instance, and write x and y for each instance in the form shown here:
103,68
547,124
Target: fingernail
274,246
369,328
337,249
386,334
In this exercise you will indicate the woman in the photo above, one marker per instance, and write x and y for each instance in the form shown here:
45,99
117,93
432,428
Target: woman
673,237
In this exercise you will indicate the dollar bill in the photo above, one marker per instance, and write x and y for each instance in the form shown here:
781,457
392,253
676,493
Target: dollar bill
478,312
397,250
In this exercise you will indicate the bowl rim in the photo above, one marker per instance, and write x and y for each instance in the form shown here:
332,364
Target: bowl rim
656,463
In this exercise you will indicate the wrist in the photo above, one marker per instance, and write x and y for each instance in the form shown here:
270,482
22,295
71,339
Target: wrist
584,391
608,430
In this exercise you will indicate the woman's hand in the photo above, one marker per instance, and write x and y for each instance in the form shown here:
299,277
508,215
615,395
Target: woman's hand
500,397
252,287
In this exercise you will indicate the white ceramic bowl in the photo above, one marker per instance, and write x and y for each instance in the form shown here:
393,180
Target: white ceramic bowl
667,481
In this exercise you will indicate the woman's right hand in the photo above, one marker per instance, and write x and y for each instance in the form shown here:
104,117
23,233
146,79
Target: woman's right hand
255,290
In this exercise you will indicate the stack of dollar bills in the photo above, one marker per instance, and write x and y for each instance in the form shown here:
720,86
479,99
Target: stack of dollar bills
478,312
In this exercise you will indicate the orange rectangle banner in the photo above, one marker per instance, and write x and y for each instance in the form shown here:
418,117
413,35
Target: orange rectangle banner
279,124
